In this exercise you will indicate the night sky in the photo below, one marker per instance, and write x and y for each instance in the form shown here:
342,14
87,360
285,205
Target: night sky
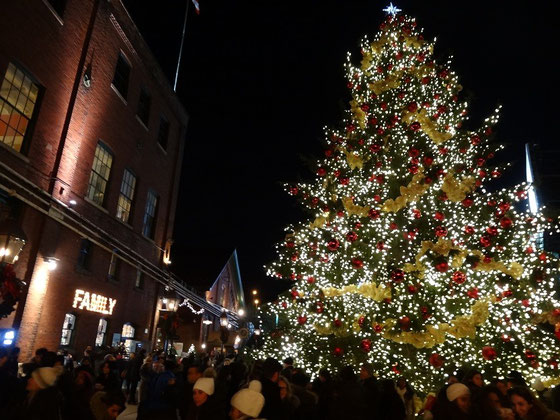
260,80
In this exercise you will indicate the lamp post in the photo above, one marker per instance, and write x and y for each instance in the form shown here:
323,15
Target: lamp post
224,332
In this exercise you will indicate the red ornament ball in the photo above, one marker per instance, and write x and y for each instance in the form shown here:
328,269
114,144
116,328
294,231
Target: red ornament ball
405,322
492,230
337,323
333,245
365,345
439,215
485,241
415,126
412,289
412,107
442,266
351,236
338,352
469,230
506,222
436,360
459,277
441,231
321,171
380,245
319,307
473,293
374,214
397,276
357,263
302,319
489,353
413,152
378,328
467,202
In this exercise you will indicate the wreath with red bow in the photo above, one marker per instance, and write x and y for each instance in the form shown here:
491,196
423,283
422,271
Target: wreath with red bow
10,289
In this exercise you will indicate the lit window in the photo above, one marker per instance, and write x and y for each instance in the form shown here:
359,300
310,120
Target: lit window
18,96
150,215
163,132
100,172
144,103
126,196
101,331
127,331
122,74
68,329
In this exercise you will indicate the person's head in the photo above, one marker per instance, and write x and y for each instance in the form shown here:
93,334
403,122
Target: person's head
324,375
59,361
288,361
300,378
40,353
202,389
87,351
193,373
114,403
285,387
210,372
247,402
524,403
366,371
501,385
157,365
515,379
473,378
401,382
271,369
106,368
459,395
83,378
132,356
42,378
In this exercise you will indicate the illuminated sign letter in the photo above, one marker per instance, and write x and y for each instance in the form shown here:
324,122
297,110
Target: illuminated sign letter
78,295
93,302
112,303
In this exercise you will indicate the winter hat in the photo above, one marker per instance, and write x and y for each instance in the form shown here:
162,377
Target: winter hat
249,400
45,377
454,391
206,385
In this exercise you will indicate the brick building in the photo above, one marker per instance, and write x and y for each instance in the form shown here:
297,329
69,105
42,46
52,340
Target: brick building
91,142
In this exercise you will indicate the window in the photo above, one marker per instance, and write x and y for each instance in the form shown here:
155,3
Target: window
122,74
144,106
101,331
114,267
126,196
58,6
150,215
127,331
18,96
68,329
139,282
83,257
99,176
163,132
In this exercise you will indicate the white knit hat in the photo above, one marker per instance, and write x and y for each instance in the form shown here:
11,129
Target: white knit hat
454,391
249,400
206,385
45,377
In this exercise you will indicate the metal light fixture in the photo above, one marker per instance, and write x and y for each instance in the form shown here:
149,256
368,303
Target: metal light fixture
223,319
12,240
52,263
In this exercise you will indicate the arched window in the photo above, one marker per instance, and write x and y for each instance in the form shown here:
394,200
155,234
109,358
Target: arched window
68,329
127,331
101,331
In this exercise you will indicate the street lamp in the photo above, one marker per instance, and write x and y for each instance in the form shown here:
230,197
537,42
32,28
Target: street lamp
224,332
12,240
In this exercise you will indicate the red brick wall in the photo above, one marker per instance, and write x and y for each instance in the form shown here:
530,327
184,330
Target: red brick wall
32,37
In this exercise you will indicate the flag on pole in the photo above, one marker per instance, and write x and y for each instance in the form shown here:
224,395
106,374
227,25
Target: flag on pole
196,6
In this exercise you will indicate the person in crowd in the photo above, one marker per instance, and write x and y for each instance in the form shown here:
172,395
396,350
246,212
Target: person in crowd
107,405
515,379
203,407
323,386
146,374
248,402
132,376
391,406
160,400
194,373
77,402
290,403
369,384
527,407
287,368
456,404
12,364
272,409
486,405
107,379
307,399
473,379
44,400
348,398
11,390
406,393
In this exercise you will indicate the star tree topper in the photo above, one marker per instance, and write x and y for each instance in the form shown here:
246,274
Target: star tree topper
392,10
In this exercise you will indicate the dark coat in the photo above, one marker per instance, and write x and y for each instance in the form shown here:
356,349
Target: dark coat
207,411
272,409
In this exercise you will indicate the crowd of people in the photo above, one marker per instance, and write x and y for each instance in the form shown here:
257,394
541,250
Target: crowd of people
99,386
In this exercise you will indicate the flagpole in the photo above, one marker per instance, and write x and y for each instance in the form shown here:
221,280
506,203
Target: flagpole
181,48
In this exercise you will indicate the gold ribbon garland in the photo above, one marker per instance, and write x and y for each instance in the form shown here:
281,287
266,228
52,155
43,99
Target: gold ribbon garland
427,125
369,290
352,208
455,190
411,192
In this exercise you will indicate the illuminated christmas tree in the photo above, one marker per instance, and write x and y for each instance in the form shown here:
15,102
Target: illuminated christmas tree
407,261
